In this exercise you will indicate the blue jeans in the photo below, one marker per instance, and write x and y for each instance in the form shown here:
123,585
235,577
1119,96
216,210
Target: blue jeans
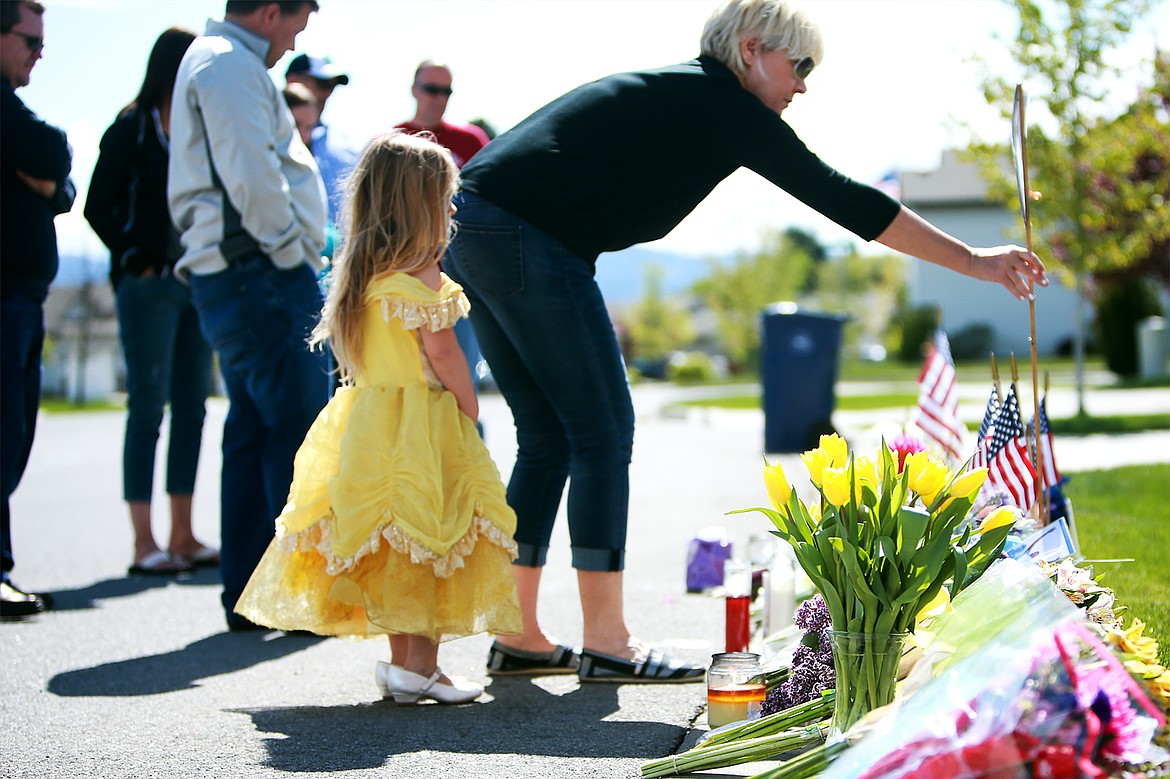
543,327
168,361
22,336
258,317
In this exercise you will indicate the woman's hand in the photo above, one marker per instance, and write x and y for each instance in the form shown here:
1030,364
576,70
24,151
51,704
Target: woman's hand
1011,266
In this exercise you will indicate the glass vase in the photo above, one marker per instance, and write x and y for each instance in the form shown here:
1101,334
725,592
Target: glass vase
866,665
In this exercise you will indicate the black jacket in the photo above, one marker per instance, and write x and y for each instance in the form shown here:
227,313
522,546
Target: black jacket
28,239
624,159
127,200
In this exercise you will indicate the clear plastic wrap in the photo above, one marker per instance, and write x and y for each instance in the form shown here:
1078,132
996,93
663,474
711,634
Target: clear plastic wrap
1012,684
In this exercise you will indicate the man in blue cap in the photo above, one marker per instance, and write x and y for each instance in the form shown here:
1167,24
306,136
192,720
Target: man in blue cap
334,158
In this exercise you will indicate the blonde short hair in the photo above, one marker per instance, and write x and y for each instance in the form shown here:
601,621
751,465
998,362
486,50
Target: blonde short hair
778,23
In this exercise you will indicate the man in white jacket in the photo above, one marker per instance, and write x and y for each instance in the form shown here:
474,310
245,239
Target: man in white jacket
249,202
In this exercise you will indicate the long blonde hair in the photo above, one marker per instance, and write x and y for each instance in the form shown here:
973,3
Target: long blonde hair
397,218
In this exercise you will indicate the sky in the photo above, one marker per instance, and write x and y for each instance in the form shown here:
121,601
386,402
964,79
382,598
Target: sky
896,88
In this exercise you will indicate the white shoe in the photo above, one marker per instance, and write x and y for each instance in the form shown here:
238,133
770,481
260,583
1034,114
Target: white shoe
406,687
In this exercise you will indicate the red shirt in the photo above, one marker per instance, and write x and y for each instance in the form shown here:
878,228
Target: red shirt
463,141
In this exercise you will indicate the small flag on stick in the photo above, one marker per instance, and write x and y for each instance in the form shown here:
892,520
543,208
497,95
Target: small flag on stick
938,397
986,428
1044,449
1009,466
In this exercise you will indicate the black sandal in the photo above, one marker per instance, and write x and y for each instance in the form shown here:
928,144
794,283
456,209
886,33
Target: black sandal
508,661
653,667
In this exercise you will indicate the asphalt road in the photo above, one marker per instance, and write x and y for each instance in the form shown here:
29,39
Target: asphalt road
137,677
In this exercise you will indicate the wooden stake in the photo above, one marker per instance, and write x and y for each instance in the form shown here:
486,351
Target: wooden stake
1034,443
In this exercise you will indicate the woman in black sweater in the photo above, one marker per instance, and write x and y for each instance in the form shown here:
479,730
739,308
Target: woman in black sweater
167,359
613,163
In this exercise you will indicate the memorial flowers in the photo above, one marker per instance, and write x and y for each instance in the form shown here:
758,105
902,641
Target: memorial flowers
879,542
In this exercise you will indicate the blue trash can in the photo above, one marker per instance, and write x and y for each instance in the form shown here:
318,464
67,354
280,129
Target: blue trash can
798,369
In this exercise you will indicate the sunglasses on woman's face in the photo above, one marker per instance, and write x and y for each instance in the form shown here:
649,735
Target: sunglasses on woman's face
803,67
432,89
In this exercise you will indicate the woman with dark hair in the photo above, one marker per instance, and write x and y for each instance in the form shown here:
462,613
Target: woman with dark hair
167,359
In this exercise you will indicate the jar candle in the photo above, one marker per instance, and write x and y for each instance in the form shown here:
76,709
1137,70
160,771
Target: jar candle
735,688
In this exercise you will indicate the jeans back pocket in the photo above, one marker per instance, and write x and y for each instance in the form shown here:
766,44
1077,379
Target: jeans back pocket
489,259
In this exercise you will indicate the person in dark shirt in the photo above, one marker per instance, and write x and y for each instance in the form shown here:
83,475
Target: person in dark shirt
616,162
34,187
168,361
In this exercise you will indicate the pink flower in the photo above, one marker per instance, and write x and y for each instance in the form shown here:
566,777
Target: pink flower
905,445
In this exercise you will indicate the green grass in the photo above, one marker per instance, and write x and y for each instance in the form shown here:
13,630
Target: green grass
62,405
1124,513
1071,426
1087,425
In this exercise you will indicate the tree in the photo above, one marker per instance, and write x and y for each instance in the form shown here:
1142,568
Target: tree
738,292
656,325
1097,214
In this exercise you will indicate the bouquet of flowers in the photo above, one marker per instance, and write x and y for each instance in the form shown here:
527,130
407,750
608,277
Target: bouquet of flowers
1015,684
1079,586
879,543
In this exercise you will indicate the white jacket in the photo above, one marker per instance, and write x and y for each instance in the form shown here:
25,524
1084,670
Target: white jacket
239,178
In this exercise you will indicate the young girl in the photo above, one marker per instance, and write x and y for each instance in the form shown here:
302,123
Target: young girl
396,521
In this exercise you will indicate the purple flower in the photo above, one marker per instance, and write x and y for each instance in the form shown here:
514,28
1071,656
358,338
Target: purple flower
813,615
811,671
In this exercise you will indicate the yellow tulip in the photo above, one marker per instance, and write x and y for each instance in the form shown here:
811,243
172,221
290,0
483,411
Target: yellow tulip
939,605
835,485
779,490
1004,515
927,477
815,460
865,470
836,448
968,484
814,512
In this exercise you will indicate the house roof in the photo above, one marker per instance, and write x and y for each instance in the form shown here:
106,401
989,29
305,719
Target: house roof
955,182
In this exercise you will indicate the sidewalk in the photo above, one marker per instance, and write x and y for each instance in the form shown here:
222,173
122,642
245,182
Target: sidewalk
136,677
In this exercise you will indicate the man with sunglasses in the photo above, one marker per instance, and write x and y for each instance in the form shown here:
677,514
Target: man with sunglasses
431,91
34,187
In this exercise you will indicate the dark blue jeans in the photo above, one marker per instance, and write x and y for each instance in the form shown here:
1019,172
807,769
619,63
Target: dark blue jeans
544,329
168,361
22,336
258,317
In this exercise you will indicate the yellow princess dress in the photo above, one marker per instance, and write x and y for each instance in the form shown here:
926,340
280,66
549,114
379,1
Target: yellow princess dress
396,520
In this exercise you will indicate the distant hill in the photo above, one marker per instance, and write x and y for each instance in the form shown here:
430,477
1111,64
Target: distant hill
621,275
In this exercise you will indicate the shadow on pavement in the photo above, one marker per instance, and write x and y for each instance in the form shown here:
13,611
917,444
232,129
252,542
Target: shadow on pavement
123,586
179,670
523,719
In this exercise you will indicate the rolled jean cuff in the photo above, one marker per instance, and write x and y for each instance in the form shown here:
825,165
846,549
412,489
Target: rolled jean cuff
607,560
529,555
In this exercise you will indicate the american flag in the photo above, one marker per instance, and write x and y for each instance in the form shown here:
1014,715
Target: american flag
1044,453
1009,466
979,459
938,397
